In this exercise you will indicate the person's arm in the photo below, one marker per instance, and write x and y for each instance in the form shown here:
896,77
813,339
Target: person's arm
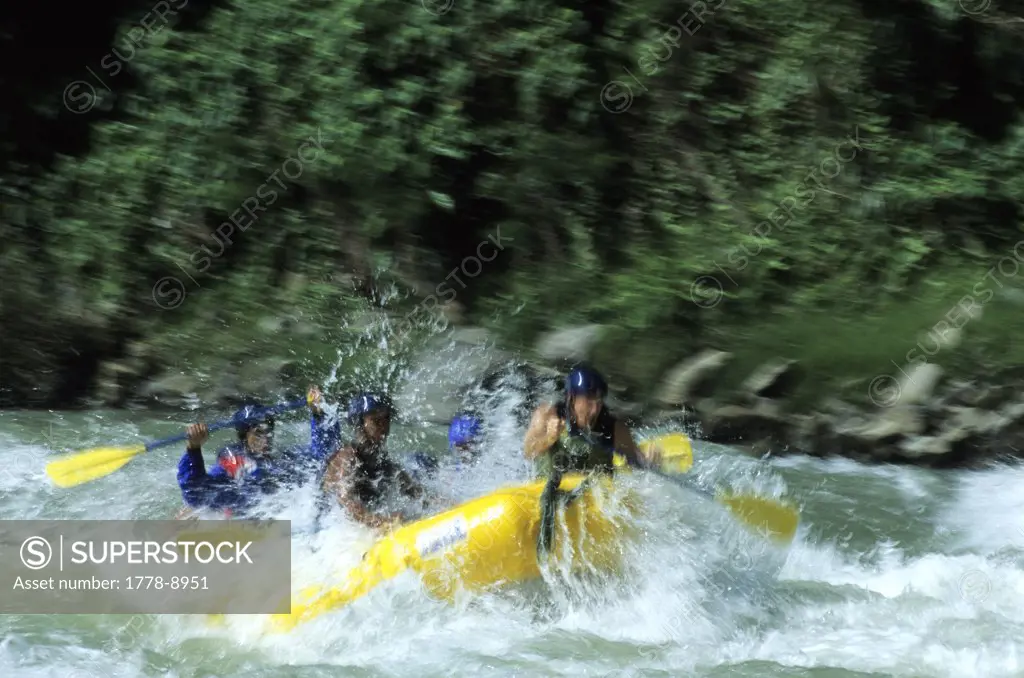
542,432
627,447
192,467
324,434
199,488
208,491
336,483
191,473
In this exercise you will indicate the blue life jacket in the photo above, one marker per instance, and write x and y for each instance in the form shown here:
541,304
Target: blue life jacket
237,481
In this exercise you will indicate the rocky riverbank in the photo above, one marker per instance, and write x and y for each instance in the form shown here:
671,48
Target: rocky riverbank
918,416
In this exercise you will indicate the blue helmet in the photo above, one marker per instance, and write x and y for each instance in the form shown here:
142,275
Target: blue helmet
585,381
463,429
248,417
365,403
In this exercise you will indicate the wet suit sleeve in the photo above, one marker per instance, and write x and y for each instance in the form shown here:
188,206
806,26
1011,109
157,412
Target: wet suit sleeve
215,490
324,437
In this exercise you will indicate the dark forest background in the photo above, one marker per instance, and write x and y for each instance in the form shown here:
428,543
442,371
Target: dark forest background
627,149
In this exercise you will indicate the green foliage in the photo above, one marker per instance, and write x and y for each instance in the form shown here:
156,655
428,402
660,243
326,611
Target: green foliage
439,131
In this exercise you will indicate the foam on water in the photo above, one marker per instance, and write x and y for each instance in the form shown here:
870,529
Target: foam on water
988,513
933,585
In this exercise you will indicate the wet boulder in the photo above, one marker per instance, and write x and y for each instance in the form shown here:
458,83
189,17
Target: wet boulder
692,379
761,425
776,379
570,344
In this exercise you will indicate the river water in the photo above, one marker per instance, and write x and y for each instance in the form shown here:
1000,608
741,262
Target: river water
895,571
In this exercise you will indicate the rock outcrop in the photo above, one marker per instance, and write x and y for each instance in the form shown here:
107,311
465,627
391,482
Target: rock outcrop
692,379
570,344
915,418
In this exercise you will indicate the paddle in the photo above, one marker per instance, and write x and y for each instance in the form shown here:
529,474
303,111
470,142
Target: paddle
87,465
772,518
676,457
676,452
548,505
768,517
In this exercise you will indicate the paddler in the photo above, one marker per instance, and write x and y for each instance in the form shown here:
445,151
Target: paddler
464,438
579,433
463,443
248,469
360,474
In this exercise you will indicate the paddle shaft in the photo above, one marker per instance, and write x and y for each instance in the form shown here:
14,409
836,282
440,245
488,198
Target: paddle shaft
683,482
294,405
548,506
645,467
551,496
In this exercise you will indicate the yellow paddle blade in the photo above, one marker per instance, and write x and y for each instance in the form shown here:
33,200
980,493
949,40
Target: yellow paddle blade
82,467
676,452
775,519
769,517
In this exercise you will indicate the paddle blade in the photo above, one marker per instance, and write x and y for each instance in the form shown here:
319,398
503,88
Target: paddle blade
768,517
82,467
676,452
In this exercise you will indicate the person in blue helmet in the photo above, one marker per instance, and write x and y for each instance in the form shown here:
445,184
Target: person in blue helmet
464,438
360,473
248,469
463,443
579,434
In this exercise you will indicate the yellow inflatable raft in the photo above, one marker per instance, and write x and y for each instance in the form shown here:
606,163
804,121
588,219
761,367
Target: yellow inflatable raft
483,543
493,540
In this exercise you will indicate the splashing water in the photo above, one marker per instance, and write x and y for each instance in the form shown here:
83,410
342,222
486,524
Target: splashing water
895,571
